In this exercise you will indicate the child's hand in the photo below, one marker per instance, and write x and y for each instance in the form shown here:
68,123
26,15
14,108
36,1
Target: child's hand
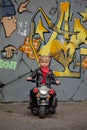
57,82
29,78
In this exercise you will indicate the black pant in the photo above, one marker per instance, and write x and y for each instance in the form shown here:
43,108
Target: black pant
33,101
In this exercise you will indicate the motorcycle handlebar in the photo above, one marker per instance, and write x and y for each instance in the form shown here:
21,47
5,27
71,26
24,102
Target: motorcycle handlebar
52,82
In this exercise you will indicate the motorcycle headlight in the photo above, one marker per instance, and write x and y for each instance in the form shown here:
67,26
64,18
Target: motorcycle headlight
43,90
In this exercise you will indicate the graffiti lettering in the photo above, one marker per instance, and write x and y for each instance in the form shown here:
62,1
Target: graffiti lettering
64,52
22,33
22,28
61,49
8,64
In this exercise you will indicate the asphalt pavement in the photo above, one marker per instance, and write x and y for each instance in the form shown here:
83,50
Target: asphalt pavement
69,116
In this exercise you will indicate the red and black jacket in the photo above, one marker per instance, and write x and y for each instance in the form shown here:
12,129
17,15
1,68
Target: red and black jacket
38,75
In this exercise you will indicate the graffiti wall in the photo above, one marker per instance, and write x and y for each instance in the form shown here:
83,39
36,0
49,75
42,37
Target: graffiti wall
30,28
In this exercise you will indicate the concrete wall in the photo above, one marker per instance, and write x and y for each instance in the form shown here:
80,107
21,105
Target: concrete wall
15,69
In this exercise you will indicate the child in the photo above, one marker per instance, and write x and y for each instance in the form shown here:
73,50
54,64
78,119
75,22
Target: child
44,75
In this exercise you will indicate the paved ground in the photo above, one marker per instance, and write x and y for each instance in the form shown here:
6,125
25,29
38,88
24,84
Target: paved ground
69,116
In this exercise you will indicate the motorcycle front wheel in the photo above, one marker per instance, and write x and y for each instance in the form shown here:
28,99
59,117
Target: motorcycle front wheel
42,112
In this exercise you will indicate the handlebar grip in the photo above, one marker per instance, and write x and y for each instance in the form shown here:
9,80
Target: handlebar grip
33,80
53,82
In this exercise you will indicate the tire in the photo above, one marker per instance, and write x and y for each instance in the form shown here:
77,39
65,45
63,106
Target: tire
35,112
42,112
54,102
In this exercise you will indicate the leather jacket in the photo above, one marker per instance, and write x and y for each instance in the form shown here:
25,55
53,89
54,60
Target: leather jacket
37,74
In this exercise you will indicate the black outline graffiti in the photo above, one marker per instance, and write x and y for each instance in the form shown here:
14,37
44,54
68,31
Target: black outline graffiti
22,60
1,87
82,82
53,10
16,2
78,2
23,6
61,88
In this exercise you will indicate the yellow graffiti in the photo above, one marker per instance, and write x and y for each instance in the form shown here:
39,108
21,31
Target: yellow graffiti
31,42
81,36
83,51
63,52
41,29
84,15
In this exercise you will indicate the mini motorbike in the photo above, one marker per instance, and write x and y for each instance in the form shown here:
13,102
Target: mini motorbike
46,100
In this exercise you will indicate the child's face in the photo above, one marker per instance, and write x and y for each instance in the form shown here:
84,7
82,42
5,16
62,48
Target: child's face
44,62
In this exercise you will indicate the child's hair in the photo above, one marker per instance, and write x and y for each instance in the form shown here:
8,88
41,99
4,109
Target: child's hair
44,56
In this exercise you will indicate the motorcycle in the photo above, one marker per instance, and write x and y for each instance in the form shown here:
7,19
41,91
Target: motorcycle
46,102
